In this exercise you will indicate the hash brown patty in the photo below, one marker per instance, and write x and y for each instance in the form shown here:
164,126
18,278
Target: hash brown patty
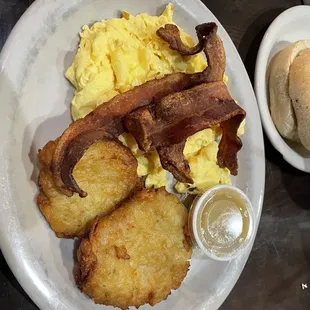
108,173
138,253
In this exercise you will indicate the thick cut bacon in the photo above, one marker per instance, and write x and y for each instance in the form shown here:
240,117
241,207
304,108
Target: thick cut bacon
173,160
207,41
167,124
106,120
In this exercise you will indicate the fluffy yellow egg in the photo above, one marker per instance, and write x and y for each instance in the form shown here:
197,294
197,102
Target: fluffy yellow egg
119,53
201,152
204,170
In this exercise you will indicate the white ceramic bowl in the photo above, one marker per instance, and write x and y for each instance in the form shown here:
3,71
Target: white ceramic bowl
290,26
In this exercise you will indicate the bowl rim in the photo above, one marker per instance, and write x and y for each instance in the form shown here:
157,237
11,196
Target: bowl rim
261,87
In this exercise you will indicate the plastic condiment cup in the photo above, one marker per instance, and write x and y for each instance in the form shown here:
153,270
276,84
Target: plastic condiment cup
221,233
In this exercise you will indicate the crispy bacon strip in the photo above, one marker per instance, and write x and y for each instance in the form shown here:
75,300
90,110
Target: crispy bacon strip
171,34
106,120
173,160
230,144
207,40
167,124
181,108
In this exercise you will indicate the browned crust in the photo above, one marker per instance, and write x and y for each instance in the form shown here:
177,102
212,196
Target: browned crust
52,208
87,262
121,252
187,241
90,251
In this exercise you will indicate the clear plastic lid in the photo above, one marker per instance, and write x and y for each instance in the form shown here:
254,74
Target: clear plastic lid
221,222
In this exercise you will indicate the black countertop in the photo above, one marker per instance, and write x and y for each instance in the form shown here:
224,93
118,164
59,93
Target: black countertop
280,260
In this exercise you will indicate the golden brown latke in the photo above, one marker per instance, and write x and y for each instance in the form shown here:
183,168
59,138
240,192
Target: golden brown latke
138,253
107,171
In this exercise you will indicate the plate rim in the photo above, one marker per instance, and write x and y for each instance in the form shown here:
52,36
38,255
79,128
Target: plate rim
33,290
261,89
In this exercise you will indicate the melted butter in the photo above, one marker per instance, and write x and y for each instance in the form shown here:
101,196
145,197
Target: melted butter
224,223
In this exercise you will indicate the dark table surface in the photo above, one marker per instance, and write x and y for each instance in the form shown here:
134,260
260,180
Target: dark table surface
280,260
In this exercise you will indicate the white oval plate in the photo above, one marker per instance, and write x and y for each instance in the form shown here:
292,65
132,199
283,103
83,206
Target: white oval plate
290,26
35,100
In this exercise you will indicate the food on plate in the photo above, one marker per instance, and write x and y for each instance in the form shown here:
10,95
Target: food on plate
138,253
166,126
288,87
146,103
107,170
299,90
106,65
118,54
149,165
201,153
106,121
203,166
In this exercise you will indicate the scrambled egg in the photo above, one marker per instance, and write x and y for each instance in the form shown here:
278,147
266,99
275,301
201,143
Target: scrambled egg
201,152
118,54
148,163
